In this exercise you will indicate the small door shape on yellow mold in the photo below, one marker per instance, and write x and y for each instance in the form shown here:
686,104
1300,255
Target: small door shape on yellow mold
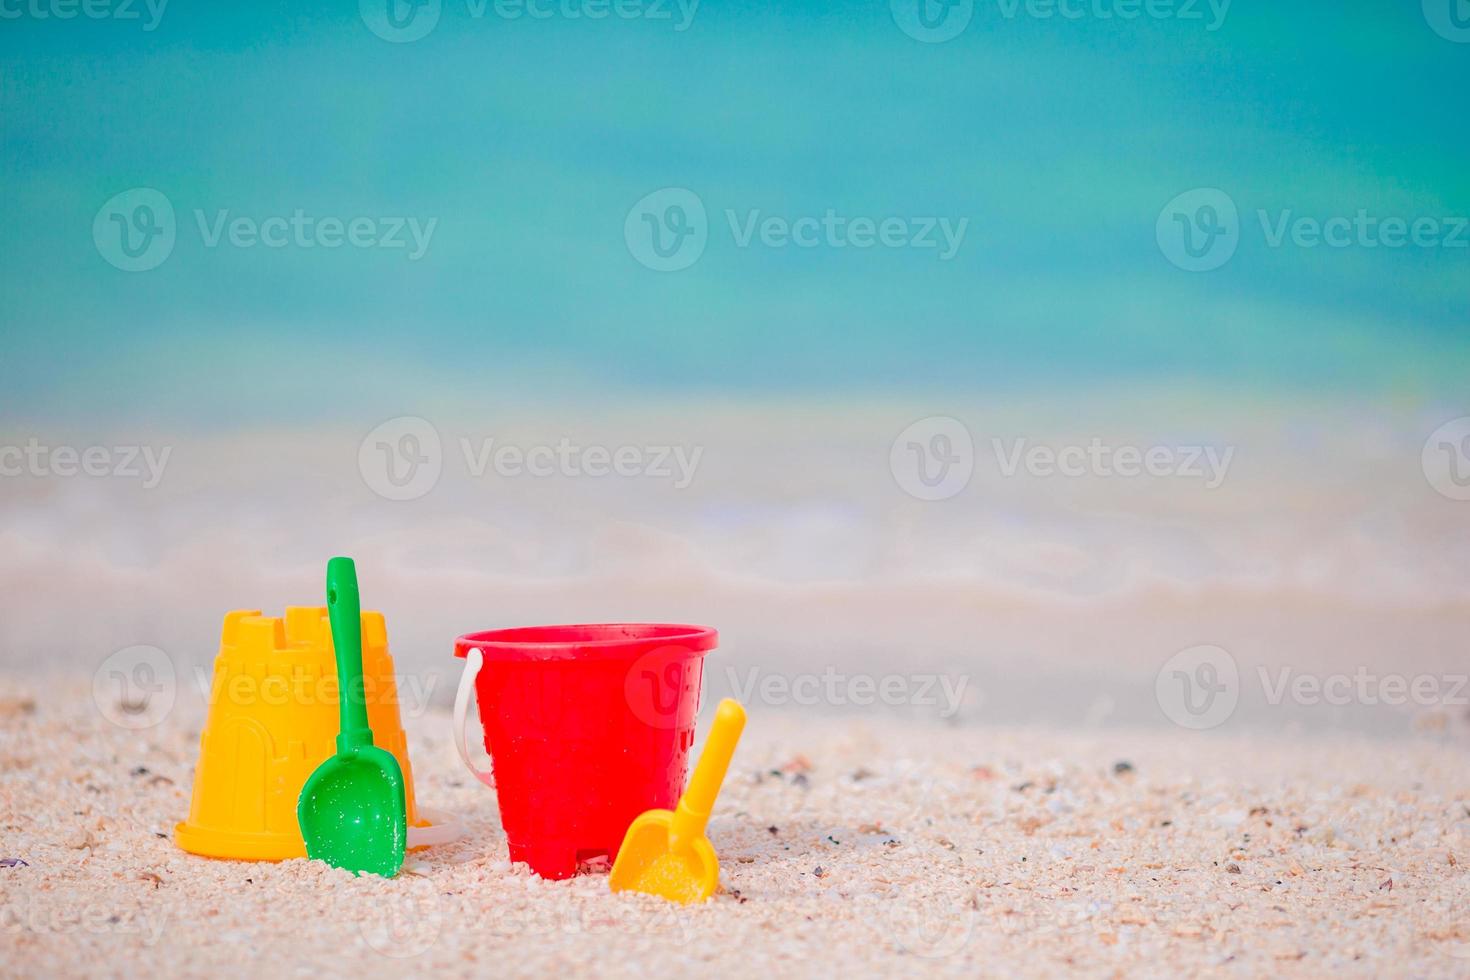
272,720
245,741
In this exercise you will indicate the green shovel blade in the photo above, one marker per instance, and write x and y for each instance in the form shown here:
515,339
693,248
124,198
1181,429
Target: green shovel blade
353,810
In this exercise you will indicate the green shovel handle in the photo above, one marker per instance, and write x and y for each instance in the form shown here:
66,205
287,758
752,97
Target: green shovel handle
344,609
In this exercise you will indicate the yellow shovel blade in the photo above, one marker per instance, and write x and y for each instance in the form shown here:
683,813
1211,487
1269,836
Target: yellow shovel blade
648,862
665,852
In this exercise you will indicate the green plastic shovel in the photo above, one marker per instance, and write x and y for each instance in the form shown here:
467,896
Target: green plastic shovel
352,810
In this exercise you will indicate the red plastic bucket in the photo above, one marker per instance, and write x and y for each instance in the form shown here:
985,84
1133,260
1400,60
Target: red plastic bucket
587,726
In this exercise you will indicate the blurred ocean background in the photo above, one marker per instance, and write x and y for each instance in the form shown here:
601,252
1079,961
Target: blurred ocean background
1100,290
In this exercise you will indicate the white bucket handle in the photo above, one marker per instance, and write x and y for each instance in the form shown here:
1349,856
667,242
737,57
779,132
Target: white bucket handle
473,661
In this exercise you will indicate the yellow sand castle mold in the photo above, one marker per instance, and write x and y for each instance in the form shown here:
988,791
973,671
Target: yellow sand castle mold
272,721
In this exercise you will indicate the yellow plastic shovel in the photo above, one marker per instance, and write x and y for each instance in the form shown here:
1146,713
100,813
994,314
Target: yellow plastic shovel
665,853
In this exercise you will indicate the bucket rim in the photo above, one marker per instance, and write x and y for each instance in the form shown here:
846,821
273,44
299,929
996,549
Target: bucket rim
587,641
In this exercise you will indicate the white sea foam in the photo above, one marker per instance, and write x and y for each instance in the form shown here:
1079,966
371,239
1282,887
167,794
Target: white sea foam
1323,543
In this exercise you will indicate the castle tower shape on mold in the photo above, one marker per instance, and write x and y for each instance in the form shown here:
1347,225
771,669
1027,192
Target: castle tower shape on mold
272,720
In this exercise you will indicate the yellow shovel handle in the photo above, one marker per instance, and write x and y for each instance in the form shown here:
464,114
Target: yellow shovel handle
699,799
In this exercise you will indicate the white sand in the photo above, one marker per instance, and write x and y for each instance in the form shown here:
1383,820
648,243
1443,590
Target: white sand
951,851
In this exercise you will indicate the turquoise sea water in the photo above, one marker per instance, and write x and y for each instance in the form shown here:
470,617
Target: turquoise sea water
523,146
